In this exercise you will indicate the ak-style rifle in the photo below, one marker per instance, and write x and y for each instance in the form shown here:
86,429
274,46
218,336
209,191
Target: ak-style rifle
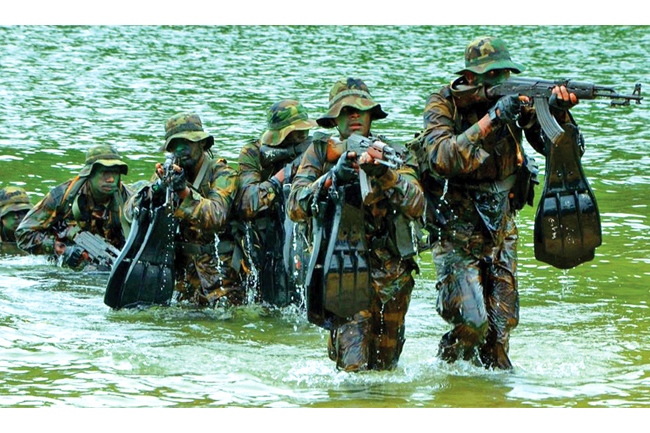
540,91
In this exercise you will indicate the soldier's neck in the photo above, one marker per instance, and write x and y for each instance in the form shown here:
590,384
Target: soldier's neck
99,198
191,172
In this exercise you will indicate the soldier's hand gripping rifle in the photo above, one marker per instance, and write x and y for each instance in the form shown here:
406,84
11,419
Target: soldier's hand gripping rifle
381,153
541,92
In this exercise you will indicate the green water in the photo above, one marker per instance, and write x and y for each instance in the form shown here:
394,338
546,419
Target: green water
584,334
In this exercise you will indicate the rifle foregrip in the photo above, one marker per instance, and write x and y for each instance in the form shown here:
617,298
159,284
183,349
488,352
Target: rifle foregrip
549,125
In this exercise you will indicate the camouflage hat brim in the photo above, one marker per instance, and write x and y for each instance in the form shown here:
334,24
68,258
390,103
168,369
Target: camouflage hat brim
124,168
274,137
191,136
14,207
362,104
500,64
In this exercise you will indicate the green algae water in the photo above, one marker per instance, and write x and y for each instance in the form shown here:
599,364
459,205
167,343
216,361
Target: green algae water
584,334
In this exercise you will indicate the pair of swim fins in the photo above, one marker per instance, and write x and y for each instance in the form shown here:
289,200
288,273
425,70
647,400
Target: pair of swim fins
143,274
567,222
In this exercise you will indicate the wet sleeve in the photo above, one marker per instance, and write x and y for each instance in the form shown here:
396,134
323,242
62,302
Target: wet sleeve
305,183
209,213
256,194
36,234
450,154
401,187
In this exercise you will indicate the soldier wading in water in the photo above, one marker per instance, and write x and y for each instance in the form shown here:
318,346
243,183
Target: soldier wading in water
361,284
474,146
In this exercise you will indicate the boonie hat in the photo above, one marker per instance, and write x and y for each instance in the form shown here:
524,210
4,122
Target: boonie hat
104,155
283,118
187,126
350,92
13,199
487,53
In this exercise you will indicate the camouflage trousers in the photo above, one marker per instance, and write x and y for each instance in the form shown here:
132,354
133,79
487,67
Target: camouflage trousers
205,281
477,293
374,338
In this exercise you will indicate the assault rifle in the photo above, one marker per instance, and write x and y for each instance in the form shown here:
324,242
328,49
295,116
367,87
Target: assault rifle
99,251
270,155
383,153
540,91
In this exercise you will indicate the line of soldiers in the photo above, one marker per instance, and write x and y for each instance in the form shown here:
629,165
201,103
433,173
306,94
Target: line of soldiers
458,177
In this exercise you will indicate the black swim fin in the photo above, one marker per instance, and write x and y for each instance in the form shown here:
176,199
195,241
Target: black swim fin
567,223
144,272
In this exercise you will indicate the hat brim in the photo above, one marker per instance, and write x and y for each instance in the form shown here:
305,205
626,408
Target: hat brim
191,136
15,207
362,104
501,64
274,137
124,168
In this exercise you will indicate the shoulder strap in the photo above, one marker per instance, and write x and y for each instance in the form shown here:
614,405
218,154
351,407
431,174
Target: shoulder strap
69,197
202,171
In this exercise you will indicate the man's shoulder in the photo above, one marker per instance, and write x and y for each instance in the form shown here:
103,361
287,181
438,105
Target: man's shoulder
441,96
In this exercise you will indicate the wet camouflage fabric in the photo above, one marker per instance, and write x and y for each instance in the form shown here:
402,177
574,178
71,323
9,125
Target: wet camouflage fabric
52,218
476,256
350,92
283,118
104,155
205,279
187,126
256,192
485,54
396,190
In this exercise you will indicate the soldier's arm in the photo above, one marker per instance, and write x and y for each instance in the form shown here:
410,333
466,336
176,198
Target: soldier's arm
305,184
36,234
210,213
401,187
256,194
450,154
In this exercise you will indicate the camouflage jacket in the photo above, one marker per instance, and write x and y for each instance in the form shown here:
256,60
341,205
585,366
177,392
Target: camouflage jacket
256,192
52,218
395,191
203,216
479,173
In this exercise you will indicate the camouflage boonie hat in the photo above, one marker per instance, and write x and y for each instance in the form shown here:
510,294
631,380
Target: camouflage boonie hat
485,54
13,199
283,118
187,126
104,155
350,92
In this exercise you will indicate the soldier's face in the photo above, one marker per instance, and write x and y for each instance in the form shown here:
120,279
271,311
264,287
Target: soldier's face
12,219
490,78
352,121
295,137
105,180
188,153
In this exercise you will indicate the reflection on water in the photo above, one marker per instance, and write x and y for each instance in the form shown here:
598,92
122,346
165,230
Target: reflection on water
583,336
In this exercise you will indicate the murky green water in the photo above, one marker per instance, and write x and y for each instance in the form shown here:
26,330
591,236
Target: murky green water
584,335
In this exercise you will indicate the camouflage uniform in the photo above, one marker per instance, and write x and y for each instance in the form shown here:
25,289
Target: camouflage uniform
70,207
374,338
12,199
261,195
476,256
202,276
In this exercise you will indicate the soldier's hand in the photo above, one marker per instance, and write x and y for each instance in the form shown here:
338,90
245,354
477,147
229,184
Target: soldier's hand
561,99
345,170
74,256
369,162
507,109
279,176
